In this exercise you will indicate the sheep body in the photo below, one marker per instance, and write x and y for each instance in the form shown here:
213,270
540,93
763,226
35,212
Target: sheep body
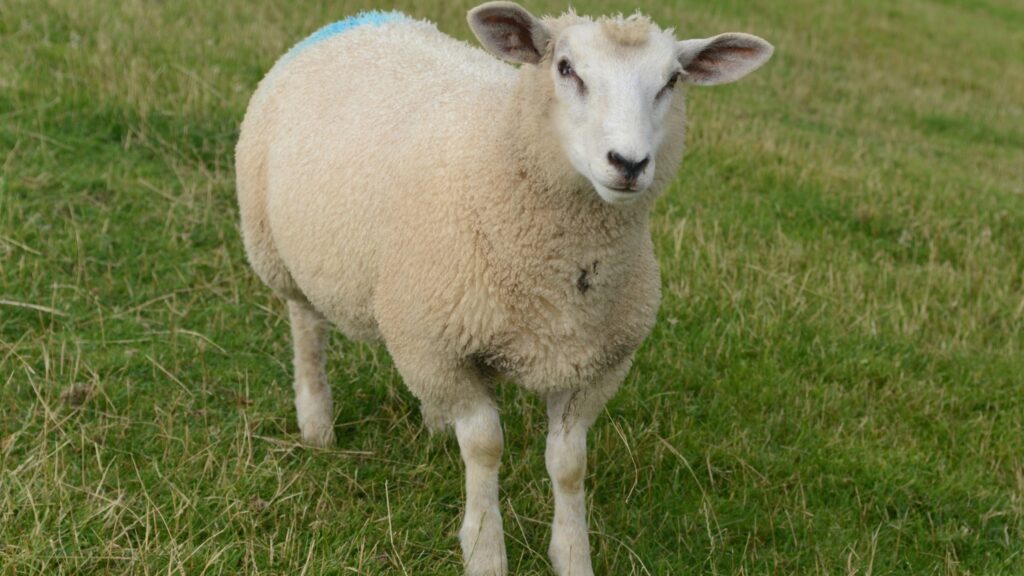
396,179
482,221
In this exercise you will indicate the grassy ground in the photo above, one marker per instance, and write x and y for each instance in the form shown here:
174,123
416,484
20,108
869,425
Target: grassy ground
835,386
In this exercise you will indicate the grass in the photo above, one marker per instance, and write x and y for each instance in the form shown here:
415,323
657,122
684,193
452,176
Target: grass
835,385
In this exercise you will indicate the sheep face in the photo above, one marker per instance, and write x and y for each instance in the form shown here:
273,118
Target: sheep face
612,96
613,83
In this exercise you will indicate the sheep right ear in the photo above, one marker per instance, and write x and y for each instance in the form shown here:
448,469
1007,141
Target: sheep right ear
509,32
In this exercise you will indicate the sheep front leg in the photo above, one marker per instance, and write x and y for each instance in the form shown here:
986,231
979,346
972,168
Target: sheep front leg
312,392
480,439
570,415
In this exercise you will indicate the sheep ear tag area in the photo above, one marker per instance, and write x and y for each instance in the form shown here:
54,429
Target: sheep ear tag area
371,18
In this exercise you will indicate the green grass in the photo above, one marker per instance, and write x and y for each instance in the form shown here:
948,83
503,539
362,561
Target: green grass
835,384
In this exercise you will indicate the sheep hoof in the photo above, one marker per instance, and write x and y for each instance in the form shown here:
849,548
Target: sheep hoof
483,548
489,567
315,417
318,438
570,560
318,435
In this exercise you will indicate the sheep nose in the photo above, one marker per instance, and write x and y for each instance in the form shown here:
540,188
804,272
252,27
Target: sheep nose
630,169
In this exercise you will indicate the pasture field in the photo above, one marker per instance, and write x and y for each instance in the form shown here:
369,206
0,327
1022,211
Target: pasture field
835,384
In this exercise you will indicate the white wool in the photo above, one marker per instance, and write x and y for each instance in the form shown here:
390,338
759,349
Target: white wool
414,190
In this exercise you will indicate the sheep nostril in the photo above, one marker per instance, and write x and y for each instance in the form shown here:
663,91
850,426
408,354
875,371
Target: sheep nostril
630,169
642,164
615,159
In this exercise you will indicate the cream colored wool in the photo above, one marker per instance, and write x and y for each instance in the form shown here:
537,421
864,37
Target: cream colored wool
412,189
415,194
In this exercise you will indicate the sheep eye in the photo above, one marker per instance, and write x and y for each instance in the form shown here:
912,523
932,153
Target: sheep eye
669,85
565,69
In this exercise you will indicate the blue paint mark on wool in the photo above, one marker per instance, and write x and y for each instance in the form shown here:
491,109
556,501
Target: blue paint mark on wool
371,18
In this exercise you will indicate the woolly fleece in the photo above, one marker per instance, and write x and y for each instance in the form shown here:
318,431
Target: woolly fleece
408,187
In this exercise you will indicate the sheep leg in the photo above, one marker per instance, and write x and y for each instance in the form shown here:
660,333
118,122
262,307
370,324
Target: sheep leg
478,430
452,391
312,393
570,415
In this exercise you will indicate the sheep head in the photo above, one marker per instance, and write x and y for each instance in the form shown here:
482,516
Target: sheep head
613,81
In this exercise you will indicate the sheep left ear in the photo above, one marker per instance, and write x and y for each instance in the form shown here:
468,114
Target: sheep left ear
722,59
509,32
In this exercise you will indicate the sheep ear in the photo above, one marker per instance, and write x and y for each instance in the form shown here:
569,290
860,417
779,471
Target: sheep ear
509,32
722,59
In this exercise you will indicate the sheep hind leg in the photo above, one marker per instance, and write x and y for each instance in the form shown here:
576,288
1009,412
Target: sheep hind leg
312,393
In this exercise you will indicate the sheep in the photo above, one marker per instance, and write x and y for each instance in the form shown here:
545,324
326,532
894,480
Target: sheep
484,221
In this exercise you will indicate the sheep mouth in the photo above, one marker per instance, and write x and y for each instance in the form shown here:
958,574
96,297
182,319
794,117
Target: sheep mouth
625,189
620,192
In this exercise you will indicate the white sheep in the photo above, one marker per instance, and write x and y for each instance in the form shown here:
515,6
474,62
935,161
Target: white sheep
483,221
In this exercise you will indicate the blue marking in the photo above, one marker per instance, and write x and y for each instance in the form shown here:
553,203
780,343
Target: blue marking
370,18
